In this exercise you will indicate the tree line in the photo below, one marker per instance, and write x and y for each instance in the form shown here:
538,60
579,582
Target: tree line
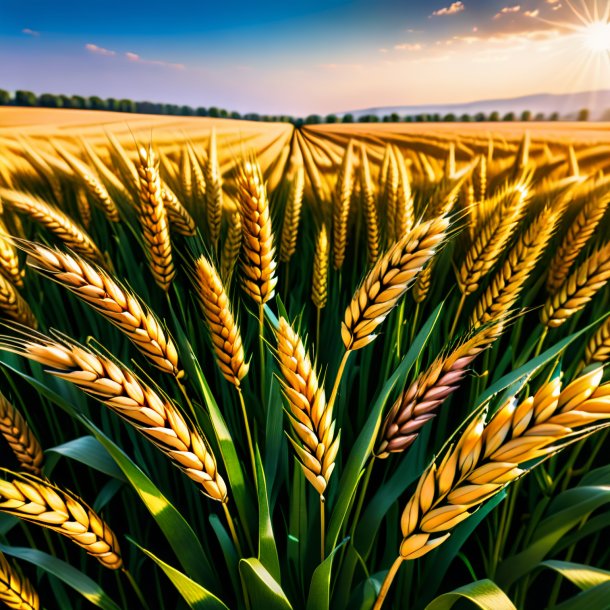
50,100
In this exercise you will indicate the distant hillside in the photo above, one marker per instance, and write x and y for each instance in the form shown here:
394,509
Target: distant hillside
567,105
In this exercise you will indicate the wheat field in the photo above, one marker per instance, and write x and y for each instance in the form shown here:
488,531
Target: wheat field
358,366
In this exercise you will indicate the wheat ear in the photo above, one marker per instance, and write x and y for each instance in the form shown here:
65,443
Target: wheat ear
179,218
405,213
84,208
224,330
36,500
9,261
186,175
198,187
124,163
13,306
598,347
292,216
314,439
153,220
391,186
117,304
16,591
579,233
341,206
389,280
505,287
231,247
489,242
319,287
578,289
155,416
258,252
213,190
55,221
370,208
419,403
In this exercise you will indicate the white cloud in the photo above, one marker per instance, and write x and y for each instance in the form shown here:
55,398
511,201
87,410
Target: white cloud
408,47
93,48
135,58
533,13
507,10
29,32
452,9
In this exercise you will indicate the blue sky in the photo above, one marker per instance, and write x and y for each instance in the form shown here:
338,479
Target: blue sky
294,57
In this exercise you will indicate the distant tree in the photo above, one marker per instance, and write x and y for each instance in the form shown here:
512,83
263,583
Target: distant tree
186,111
201,111
49,100
313,119
234,114
494,116
583,114
126,105
5,98
331,118
449,118
526,115
171,109
554,116
24,98
509,116
480,117
213,112
251,116
394,117
347,118
78,101
224,114
386,118
66,101
605,116
96,103
539,116
408,119
298,122
436,117
465,118
421,118
111,104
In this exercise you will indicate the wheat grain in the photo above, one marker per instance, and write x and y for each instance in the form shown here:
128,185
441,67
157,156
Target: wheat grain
578,289
213,190
9,261
84,208
319,287
224,330
13,306
258,252
55,221
179,218
480,179
341,206
598,347
292,216
405,214
370,208
314,439
38,501
391,187
231,247
388,280
153,220
579,233
16,591
114,302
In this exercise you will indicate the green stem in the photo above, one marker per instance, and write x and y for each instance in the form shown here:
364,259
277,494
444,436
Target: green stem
322,529
232,529
543,335
387,583
135,587
414,321
244,413
318,317
457,315
333,395
261,342
187,399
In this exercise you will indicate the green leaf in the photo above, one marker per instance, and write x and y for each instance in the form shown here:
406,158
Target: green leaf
68,574
267,550
584,577
484,594
263,590
196,596
364,443
86,450
594,598
319,590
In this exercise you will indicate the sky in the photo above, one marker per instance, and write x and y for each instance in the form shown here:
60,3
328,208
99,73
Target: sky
296,57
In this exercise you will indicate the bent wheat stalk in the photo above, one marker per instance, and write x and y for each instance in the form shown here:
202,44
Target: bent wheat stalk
117,304
155,416
16,591
20,438
35,500
488,456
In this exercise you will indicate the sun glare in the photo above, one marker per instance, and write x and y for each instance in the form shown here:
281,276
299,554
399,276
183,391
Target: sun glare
597,36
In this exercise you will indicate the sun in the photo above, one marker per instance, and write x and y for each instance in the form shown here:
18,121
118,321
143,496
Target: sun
596,36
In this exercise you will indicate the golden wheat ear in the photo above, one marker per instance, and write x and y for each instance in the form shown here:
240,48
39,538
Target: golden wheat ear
598,347
37,501
341,205
213,190
389,280
16,591
20,438
319,286
9,261
116,303
292,216
231,247
13,306
179,217
370,208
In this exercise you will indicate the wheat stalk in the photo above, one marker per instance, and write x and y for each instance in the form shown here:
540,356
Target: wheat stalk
341,206
16,591
124,163
578,289
314,439
419,403
155,416
213,190
488,456
231,247
55,221
117,304
292,216
9,261
389,280
153,220
319,287
258,252
13,306
370,208
37,501
19,436
579,233
506,285
179,218
224,330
